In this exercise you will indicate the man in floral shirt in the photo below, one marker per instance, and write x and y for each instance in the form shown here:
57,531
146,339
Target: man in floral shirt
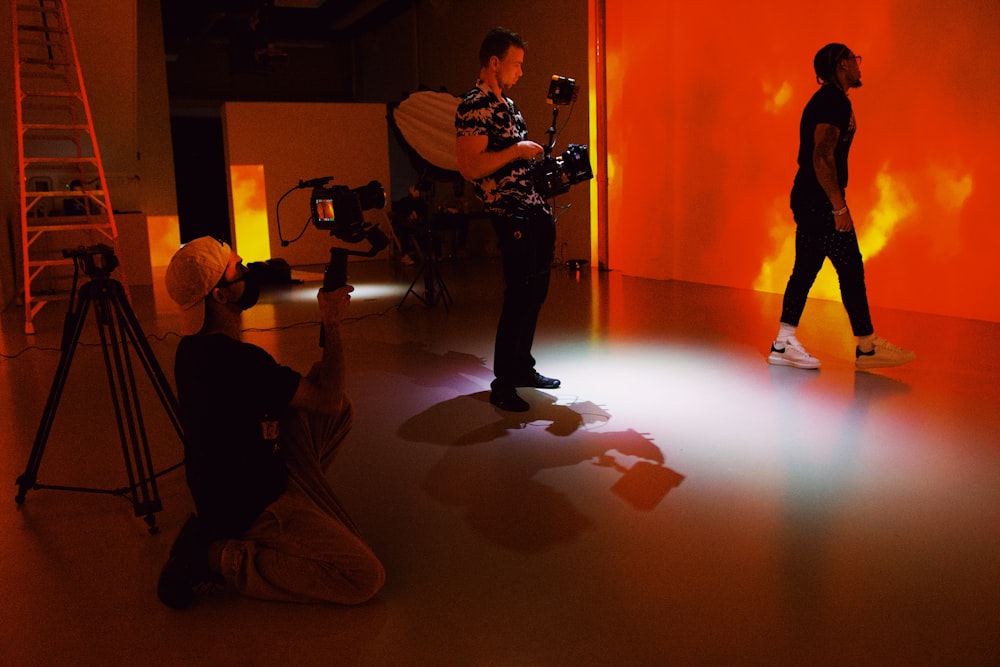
496,157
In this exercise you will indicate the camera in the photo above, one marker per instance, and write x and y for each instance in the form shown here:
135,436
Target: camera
97,261
338,209
562,90
554,175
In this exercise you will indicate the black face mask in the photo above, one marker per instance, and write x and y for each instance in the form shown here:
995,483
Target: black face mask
251,288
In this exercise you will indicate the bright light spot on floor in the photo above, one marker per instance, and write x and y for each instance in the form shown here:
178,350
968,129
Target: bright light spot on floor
722,409
366,291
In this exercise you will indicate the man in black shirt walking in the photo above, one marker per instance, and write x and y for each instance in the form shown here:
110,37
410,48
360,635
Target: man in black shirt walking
824,225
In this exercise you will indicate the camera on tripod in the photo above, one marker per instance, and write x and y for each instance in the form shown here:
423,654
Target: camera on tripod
97,261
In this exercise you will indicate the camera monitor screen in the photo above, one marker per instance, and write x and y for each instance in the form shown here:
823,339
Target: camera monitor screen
324,210
561,90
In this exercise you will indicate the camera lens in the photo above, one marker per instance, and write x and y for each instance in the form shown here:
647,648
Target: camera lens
370,196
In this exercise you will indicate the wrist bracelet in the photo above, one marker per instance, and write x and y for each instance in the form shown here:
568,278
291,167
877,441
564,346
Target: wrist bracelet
841,211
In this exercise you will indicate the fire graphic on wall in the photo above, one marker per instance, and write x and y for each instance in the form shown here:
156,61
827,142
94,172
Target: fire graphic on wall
249,201
703,116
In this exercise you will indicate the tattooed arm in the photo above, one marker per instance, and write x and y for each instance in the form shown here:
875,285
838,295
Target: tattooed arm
824,142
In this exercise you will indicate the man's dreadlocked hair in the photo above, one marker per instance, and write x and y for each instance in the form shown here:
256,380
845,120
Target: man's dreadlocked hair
826,61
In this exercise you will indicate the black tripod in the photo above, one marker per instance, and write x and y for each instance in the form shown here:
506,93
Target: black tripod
434,288
118,328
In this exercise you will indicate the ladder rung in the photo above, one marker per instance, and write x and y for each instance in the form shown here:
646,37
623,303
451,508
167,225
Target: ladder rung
42,6
49,262
62,194
56,94
60,160
32,27
102,227
38,38
48,62
27,47
70,134
30,127
50,72
33,45
78,140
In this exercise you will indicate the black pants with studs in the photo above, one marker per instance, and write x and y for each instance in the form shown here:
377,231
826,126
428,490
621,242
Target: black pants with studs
816,238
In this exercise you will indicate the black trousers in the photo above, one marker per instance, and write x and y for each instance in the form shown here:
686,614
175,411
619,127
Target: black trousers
527,248
817,238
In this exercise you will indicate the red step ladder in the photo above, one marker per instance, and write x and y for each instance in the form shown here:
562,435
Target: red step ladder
63,189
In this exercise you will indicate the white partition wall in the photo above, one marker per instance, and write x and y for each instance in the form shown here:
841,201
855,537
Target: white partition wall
292,142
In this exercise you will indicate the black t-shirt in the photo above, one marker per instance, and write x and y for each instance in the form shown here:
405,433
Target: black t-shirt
232,396
828,105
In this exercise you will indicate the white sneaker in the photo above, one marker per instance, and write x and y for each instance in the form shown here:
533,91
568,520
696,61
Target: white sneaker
792,354
883,355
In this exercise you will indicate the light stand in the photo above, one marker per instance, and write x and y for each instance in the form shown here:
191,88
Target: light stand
434,288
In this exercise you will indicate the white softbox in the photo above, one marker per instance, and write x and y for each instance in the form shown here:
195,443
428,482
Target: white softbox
426,122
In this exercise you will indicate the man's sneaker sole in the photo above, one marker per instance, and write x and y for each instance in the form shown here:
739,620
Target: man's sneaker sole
778,358
868,361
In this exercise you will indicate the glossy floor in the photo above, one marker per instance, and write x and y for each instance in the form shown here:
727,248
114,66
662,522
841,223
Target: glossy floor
677,501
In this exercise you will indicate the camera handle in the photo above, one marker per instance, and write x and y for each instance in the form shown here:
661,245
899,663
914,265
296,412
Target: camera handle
335,273
334,277
552,131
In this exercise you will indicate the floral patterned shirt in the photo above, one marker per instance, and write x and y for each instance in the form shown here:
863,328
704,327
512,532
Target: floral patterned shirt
510,189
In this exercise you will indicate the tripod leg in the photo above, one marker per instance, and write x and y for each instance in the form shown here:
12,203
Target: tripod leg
439,291
128,412
148,359
443,294
117,327
72,327
130,331
420,273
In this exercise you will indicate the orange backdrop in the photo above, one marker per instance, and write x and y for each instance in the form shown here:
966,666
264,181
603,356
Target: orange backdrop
704,100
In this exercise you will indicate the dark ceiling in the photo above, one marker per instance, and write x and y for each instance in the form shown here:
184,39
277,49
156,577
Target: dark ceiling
272,23
277,50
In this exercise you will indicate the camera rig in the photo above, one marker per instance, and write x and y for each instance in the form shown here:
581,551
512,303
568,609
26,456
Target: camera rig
338,209
553,175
